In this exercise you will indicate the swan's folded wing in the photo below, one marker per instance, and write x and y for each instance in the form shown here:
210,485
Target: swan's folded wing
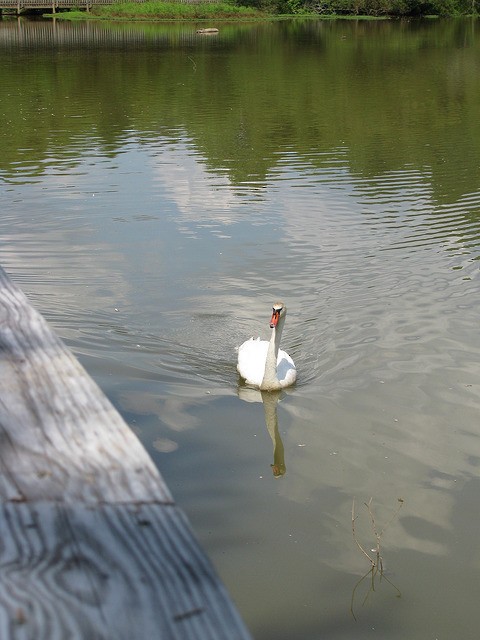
252,355
286,371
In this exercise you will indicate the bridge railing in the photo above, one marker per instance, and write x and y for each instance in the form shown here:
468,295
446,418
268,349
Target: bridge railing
33,4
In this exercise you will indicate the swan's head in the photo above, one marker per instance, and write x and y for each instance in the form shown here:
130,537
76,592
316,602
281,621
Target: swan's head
279,311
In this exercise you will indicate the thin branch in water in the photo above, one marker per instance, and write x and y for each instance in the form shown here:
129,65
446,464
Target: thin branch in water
354,517
377,563
395,514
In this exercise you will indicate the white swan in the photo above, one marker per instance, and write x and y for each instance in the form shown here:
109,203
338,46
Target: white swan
263,364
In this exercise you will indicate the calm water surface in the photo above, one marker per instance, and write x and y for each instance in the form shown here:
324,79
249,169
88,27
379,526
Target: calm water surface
159,190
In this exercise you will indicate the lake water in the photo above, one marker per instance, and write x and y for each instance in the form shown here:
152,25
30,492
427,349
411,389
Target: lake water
160,190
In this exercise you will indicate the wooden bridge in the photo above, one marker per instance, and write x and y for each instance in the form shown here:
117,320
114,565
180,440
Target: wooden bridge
92,543
55,5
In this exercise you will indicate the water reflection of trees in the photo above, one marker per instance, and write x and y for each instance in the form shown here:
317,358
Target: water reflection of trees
373,84
47,34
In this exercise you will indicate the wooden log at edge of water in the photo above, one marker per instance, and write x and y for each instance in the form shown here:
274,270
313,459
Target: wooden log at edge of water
92,545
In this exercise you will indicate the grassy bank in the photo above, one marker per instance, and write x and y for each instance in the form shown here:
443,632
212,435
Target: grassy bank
228,9
165,11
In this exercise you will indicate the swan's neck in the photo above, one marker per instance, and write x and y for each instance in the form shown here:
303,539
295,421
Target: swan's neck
270,379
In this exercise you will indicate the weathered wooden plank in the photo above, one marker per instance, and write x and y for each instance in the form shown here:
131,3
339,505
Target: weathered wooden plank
60,437
91,544
116,571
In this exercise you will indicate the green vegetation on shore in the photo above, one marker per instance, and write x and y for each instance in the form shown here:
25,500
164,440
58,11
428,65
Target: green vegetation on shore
158,10
248,9
374,8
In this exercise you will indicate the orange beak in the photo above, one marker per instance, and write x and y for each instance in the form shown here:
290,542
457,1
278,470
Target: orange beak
274,320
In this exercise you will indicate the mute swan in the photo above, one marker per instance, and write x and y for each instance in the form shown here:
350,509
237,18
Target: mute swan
263,364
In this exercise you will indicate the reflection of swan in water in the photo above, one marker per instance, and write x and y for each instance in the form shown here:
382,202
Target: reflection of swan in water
263,364
271,420
270,401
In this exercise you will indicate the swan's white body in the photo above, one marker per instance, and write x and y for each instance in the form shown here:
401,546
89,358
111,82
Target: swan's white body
262,363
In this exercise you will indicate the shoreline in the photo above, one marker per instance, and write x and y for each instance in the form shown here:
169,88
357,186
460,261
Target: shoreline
165,11
157,11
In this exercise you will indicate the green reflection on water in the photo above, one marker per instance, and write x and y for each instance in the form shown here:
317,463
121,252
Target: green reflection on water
357,137
390,94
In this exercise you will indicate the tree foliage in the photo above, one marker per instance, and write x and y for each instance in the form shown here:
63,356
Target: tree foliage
375,8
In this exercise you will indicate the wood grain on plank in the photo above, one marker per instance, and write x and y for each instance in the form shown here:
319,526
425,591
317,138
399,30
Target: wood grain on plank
112,571
60,437
92,546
